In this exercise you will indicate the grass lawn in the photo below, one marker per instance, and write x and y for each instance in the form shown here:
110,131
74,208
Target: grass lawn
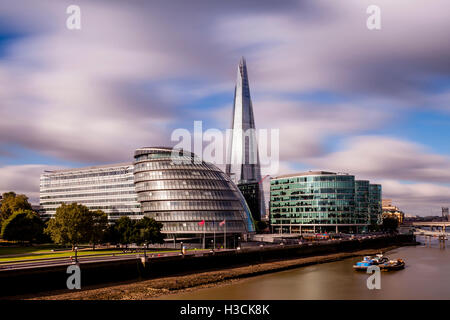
47,254
26,250
42,252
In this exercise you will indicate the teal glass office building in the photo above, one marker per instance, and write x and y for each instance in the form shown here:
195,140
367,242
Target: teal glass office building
362,201
320,201
375,207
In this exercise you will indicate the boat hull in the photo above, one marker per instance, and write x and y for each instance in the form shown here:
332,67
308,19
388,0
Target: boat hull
386,266
394,267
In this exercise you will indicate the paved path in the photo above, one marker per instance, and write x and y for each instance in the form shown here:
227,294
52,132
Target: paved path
65,261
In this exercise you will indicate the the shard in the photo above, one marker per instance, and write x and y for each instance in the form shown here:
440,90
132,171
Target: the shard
243,159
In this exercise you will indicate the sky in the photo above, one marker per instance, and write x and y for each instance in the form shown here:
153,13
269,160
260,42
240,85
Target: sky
373,103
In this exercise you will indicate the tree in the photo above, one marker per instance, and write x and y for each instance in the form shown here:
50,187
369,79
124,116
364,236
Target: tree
11,203
148,231
373,227
126,230
72,224
99,227
112,235
22,226
260,226
390,224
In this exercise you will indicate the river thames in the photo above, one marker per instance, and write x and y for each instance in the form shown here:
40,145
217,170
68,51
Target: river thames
426,276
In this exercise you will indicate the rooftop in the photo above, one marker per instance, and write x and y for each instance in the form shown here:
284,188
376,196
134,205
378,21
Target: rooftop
147,150
105,166
309,173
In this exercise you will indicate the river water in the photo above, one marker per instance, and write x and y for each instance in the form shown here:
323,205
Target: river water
426,276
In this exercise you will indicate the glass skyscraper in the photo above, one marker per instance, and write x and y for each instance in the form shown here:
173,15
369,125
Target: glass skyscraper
243,164
318,201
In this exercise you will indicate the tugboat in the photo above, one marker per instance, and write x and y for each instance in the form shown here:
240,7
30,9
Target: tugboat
392,265
381,261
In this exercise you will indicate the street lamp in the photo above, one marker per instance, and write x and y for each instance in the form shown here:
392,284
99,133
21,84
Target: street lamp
76,256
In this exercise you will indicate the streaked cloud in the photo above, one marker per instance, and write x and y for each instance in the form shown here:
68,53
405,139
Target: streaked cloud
387,158
23,179
138,69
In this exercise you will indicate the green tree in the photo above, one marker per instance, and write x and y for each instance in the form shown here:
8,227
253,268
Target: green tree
126,229
72,224
23,226
148,231
11,203
112,235
99,227
373,227
260,226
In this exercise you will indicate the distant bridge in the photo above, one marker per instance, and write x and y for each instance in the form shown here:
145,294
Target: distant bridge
422,232
432,224
437,229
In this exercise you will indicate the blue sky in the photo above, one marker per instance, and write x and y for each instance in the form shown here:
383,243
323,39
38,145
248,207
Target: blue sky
371,103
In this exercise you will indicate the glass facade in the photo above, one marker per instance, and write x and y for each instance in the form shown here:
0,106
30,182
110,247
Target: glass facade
243,164
108,188
180,191
319,201
251,193
375,204
362,200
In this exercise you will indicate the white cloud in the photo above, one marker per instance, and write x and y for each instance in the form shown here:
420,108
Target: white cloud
382,157
415,178
305,127
419,198
23,179
335,50
97,94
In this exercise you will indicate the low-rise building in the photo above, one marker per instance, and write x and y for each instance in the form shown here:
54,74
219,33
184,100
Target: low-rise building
389,210
109,188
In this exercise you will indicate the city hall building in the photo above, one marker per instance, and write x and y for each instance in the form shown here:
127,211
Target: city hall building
192,198
320,201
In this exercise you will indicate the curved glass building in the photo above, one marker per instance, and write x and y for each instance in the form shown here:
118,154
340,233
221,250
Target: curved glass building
319,201
190,197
